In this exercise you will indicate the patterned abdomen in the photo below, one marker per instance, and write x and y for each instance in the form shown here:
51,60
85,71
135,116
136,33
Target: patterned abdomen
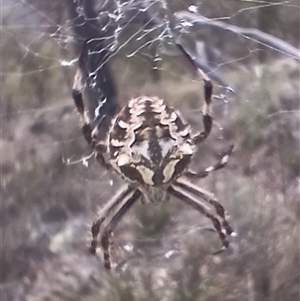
149,143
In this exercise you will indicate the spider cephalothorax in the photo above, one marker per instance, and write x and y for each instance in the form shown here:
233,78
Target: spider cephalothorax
150,146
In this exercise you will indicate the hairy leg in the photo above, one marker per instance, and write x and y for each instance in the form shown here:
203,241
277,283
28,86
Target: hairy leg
107,211
113,223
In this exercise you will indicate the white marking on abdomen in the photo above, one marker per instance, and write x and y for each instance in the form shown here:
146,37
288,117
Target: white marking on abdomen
146,173
123,125
117,143
169,170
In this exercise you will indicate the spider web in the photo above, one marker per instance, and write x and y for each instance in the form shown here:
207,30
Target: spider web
144,29
234,42
141,33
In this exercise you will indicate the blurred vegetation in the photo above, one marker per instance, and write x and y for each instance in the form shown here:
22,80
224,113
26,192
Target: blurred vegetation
31,71
153,219
270,114
47,205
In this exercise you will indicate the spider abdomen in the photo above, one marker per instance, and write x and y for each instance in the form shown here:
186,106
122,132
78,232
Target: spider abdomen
149,143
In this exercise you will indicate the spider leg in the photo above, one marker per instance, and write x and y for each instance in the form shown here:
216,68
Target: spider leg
78,100
183,194
208,89
209,198
206,111
219,165
109,208
89,133
113,223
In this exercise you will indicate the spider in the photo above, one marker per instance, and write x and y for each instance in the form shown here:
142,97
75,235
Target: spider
150,146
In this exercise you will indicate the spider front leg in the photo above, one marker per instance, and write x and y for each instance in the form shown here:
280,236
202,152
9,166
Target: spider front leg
89,132
206,111
78,100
